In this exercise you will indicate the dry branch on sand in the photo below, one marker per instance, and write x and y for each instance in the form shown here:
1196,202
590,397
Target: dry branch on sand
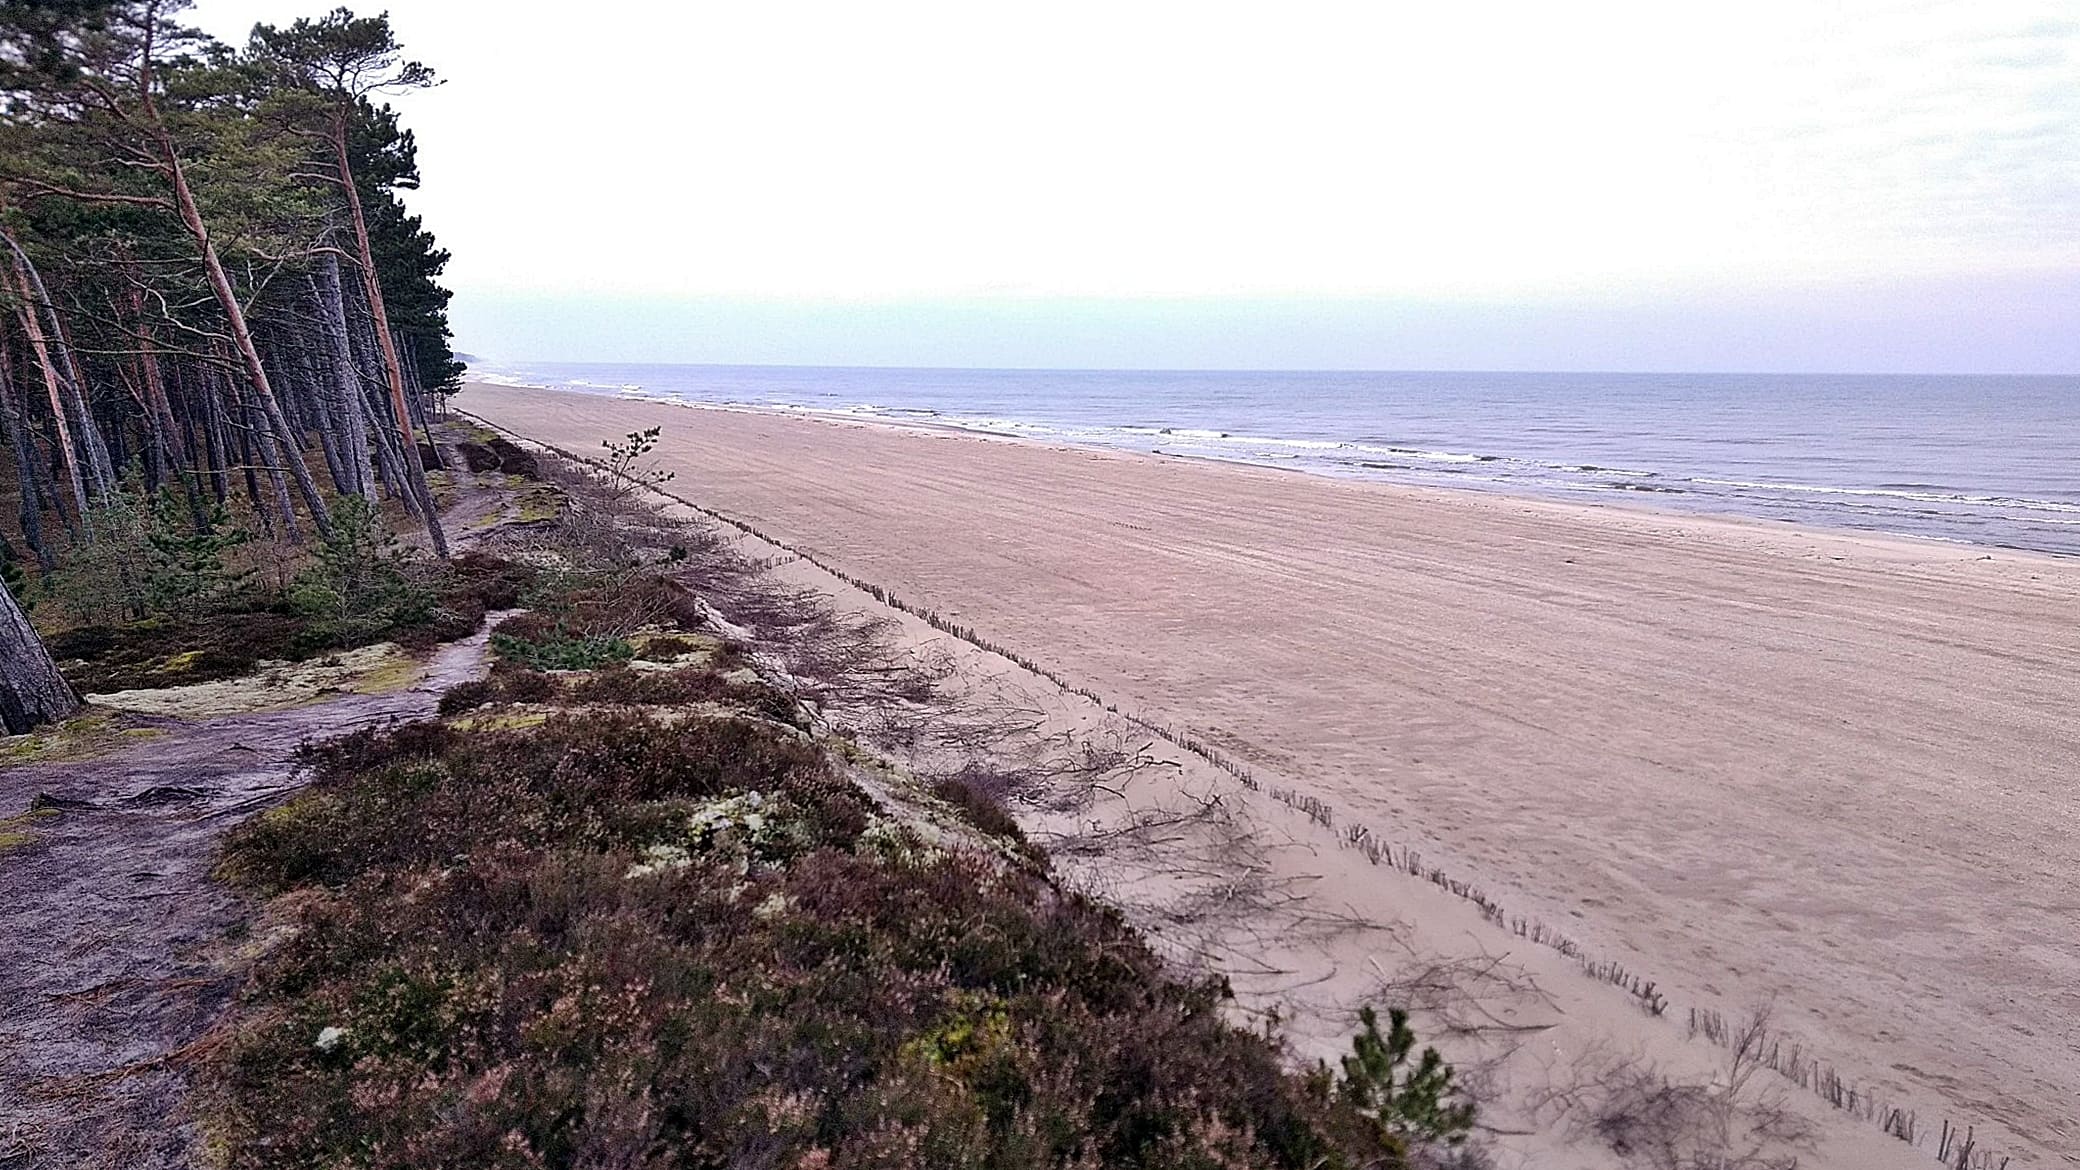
1654,1121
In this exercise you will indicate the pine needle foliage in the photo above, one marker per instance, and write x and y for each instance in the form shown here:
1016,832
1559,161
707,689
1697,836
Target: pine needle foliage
1419,1103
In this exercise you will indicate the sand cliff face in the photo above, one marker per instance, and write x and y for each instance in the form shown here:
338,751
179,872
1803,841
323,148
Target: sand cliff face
1756,763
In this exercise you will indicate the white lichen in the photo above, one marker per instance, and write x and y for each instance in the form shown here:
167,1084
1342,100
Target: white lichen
659,859
891,841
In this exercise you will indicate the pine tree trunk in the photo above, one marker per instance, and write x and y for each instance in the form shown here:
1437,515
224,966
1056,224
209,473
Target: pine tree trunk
271,451
24,446
158,411
91,450
339,360
321,409
66,450
329,446
158,469
380,324
389,464
31,690
188,416
248,465
257,456
216,411
368,367
241,335
159,466
99,466
62,376
414,393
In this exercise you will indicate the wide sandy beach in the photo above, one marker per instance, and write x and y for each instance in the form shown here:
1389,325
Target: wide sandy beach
1757,763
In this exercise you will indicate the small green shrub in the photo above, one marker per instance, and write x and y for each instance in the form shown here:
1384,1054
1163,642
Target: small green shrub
361,581
102,579
1418,1103
184,562
147,554
560,651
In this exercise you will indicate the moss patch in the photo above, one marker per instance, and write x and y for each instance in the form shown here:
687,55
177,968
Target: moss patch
19,831
277,685
394,673
96,731
539,504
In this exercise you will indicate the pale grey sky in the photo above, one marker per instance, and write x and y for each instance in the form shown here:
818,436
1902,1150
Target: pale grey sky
1756,185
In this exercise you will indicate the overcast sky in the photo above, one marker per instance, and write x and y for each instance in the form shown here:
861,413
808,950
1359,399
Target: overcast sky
1804,185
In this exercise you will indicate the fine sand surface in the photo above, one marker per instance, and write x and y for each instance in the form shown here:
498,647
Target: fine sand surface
1756,763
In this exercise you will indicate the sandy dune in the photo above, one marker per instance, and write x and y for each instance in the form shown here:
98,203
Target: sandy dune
1753,761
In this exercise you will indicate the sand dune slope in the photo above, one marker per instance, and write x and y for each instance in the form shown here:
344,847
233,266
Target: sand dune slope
1757,762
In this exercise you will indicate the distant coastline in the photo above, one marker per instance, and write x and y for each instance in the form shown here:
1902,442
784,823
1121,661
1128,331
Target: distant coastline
1745,446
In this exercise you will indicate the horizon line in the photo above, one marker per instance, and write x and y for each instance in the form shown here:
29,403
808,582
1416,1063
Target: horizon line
470,360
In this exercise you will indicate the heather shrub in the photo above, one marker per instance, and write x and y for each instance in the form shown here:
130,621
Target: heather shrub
514,460
467,696
507,683
976,806
667,647
525,686
174,650
581,623
695,684
477,456
615,940
486,582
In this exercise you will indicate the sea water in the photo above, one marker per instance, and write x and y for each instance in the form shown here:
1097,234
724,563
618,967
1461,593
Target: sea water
1983,460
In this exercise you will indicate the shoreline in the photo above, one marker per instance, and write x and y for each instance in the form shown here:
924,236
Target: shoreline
1908,543
1576,1001
1753,761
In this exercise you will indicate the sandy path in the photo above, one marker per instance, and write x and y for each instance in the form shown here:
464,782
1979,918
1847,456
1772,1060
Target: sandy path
1755,761
115,952
112,933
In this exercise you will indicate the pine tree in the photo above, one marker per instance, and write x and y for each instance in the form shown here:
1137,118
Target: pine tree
334,64
205,273
1409,1103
